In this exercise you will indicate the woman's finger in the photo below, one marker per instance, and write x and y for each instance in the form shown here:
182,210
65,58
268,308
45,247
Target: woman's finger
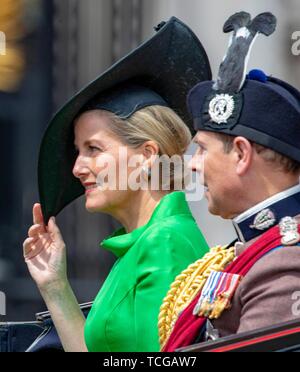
33,250
37,214
28,245
33,253
35,230
54,231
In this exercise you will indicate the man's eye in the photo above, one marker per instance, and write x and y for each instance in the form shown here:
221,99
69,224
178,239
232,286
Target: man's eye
201,149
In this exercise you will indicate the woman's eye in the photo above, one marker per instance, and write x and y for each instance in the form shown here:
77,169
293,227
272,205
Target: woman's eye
93,148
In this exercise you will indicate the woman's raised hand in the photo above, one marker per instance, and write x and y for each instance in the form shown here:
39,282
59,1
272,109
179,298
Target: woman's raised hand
45,252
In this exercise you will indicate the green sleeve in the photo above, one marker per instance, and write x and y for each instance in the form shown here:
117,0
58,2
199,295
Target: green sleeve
149,296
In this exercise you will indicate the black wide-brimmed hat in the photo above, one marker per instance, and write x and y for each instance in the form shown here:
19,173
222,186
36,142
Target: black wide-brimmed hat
159,72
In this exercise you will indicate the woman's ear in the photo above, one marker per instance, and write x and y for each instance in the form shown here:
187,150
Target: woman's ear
150,151
243,151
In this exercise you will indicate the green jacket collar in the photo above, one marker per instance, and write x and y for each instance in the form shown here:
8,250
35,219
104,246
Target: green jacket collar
171,205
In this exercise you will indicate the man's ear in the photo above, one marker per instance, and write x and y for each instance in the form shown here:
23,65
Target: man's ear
243,151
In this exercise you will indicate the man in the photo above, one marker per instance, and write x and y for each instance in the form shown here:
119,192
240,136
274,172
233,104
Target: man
248,137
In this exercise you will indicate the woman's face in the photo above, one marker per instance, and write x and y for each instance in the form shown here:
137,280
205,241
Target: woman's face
102,157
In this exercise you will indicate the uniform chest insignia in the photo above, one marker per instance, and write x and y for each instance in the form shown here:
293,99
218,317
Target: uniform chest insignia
221,108
217,294
264,220
289,231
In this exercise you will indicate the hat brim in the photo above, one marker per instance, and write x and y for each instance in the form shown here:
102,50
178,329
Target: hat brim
170,63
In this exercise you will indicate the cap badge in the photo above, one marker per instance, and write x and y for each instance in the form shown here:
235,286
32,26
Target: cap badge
264,220
289,231
221,108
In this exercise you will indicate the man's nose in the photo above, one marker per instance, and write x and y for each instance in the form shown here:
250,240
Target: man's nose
196,164
192,164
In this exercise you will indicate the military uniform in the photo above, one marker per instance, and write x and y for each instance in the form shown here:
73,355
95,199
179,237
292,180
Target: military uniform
265,296
251,283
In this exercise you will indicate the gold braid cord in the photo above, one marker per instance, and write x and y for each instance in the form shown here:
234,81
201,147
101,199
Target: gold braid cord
186,287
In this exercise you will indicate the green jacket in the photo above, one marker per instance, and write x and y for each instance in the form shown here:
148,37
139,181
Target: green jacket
124,316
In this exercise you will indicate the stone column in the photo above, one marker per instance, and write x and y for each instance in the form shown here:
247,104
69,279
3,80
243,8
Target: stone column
126,26
65,50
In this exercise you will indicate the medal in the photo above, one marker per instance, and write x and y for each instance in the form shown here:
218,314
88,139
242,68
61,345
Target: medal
217,294
289,231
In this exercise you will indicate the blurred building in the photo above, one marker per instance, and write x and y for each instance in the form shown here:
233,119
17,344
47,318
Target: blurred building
25,101
54,47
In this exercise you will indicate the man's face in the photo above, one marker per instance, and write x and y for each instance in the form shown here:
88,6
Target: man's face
217,169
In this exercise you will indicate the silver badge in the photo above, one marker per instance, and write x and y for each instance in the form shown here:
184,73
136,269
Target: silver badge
221,108
289,231
264,220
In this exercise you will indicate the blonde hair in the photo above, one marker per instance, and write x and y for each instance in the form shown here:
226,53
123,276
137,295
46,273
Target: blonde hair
153,123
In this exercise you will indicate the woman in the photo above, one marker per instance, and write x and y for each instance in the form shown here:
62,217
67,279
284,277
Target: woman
115,119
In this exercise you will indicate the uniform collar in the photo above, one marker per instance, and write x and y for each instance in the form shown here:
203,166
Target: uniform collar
241,247
260,218
170,205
